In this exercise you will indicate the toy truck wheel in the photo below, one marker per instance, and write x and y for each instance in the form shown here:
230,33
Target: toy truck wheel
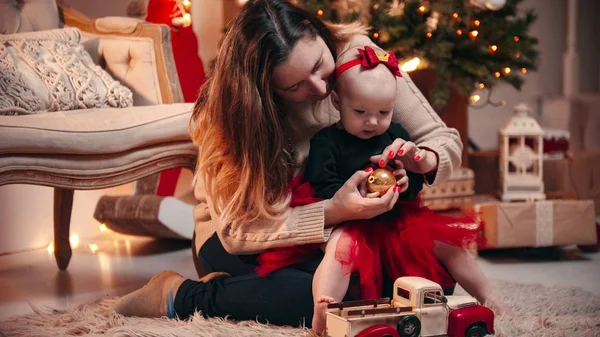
380,330
476,330
409,326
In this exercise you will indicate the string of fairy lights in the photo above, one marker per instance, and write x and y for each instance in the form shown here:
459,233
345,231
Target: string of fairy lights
397,8
76,241
181,16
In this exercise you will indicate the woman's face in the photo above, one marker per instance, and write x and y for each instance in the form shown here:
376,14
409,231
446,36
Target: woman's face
307,72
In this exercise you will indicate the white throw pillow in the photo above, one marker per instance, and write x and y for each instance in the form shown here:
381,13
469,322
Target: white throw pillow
51,71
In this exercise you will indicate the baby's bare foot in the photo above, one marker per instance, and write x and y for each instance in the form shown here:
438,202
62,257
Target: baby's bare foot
318,323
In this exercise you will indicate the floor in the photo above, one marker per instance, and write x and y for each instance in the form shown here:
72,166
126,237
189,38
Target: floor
121,264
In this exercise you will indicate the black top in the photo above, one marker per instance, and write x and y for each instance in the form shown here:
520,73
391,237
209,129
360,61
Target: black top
335,155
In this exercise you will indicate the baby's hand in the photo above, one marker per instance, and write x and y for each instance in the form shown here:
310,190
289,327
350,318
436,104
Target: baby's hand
400,174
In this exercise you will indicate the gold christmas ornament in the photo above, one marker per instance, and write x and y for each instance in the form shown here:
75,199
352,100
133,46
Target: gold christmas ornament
380,181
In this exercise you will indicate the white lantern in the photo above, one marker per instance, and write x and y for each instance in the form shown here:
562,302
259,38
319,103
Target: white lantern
521,157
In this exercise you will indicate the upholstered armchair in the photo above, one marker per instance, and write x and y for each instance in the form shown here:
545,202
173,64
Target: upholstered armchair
98,147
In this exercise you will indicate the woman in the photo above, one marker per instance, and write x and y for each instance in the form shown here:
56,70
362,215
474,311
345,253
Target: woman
267,96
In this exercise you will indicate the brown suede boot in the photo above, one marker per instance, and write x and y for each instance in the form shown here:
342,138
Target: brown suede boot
152,299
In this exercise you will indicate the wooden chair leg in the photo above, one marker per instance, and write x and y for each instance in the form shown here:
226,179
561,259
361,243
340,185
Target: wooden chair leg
63,203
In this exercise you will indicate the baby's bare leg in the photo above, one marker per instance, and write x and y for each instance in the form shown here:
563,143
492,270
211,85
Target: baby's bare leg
467,272
330,282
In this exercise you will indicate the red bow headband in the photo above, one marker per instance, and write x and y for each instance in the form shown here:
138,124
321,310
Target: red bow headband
369,60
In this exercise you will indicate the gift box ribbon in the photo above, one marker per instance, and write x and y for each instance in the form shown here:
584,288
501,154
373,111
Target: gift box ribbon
544,223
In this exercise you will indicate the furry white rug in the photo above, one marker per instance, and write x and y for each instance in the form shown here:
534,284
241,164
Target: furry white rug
540,311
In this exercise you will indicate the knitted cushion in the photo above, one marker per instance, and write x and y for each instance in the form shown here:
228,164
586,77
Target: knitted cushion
51,71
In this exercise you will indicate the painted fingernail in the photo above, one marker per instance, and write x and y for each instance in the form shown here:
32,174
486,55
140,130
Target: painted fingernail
417,158
381,163
401,152
391,154
396,189
369,169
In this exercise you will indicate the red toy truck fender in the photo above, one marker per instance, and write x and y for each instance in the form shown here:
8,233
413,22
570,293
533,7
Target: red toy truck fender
379,330
474,320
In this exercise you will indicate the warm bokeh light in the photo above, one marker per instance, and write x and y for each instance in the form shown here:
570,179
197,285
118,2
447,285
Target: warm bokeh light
497,74
493,48
410,65
473,34
507,70
320,12
50,247
476,23
93,247
475,98
459,32
74,240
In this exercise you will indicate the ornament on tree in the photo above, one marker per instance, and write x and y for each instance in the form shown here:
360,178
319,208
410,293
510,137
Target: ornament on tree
492,5
495,5
478,3
344,8
396,9
380,181
432,21
384,36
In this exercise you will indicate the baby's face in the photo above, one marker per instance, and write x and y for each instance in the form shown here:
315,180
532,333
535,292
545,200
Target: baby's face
365,109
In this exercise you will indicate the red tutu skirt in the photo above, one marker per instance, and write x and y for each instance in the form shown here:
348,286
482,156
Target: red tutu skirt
399,242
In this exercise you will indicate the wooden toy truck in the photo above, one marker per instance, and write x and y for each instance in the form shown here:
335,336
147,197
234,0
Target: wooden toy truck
418,308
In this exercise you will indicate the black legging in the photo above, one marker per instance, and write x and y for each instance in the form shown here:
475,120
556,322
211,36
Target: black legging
284,297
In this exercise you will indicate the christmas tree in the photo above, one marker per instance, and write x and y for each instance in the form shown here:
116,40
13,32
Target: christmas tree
473,45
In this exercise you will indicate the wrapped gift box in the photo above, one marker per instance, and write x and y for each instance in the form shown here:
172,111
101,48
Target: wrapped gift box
555,222
556,143
580,115
486,166
454,193
577,174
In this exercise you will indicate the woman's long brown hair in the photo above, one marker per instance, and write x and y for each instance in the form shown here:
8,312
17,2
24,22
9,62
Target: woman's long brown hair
245,160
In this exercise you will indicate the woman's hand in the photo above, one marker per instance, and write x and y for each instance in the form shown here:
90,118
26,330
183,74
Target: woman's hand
349,204
414,159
